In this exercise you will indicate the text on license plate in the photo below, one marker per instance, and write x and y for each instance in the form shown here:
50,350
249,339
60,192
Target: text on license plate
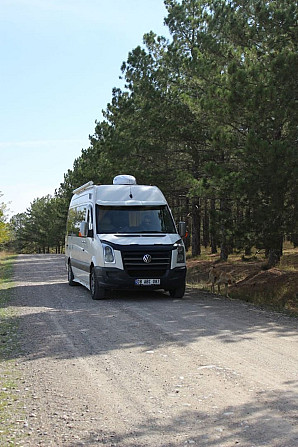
147,282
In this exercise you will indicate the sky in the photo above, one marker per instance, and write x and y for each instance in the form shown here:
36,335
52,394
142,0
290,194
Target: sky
59,61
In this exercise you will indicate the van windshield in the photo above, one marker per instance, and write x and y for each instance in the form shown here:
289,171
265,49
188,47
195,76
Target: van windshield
134,219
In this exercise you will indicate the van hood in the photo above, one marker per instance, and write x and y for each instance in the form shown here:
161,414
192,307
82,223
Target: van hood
140,239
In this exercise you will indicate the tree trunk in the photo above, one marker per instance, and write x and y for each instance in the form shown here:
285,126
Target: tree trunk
206,225
224,248
213,235
273,258
196,227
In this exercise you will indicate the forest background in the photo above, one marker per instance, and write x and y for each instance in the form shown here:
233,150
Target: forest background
210,117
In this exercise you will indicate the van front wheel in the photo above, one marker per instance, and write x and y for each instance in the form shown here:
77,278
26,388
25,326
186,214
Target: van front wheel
97,293
177,293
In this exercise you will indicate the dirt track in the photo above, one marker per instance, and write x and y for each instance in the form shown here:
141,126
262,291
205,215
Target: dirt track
147,370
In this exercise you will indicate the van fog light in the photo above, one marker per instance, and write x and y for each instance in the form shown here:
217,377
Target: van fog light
108,253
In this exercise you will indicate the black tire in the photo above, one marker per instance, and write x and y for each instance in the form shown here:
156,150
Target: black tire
97,293
70,276
177,293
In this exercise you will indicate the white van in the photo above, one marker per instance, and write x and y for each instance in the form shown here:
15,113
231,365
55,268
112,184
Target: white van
123,236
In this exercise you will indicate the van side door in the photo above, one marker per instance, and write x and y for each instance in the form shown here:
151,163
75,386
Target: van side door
87,245
78,243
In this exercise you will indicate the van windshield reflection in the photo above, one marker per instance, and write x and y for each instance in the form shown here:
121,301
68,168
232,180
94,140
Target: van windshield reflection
134,219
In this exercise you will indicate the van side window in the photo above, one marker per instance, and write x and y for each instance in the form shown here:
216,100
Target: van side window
90,221
90,218
75,217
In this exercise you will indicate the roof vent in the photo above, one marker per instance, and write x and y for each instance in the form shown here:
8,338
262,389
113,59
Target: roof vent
124,180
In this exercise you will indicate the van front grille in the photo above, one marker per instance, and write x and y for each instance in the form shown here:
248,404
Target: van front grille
135,265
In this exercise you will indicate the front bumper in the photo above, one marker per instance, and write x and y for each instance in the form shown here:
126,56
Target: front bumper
113,278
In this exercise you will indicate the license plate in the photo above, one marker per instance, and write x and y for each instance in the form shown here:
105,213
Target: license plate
147,282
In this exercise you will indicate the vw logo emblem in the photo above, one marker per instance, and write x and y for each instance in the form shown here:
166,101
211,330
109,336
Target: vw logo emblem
147,258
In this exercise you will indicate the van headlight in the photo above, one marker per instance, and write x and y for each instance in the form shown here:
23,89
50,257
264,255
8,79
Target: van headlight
180,252
108,254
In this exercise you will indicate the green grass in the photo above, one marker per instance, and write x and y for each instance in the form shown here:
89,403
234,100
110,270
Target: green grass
10,404
8,329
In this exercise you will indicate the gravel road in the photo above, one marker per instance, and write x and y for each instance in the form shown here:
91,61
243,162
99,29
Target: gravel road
143,369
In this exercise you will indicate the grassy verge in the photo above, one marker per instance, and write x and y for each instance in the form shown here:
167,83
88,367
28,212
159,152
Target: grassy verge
10,405
276,288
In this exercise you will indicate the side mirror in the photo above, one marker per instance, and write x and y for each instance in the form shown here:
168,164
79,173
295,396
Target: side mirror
83,229
182,229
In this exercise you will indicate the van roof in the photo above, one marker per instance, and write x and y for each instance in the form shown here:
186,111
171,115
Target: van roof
129,195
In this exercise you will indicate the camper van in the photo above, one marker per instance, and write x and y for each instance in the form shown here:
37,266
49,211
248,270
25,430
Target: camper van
123,236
